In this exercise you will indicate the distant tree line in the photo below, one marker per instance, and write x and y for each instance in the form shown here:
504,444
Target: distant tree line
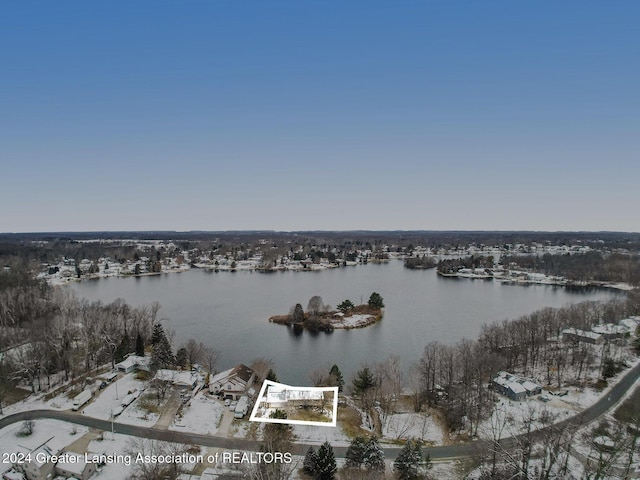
453,265
590,266
423,262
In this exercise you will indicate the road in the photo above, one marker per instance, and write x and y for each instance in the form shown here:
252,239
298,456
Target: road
436,453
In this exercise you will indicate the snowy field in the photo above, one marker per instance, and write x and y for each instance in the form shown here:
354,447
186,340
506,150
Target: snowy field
318,435
201,415
412,425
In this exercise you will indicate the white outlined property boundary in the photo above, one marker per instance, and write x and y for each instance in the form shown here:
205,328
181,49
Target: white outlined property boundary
262,398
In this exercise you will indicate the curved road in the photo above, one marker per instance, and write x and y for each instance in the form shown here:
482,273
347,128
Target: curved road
443,452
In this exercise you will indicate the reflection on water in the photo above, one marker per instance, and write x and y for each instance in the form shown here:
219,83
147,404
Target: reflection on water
230,311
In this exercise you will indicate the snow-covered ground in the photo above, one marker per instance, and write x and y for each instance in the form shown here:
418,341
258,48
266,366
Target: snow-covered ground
318,435
112,444
201,415
136,414
510,415
412,425
56,434
353,321
108,400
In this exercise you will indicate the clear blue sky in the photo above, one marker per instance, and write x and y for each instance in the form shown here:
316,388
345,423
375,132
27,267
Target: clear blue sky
295,115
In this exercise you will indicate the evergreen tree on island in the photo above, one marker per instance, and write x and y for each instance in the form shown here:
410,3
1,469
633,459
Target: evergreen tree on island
375,301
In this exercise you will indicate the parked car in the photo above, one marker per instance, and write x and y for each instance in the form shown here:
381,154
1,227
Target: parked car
232,405
227,402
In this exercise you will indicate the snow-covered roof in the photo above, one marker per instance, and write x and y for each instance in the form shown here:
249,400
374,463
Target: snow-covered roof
631,323
72,462
133,361
581,333
530,386
240,371
277,393
177,376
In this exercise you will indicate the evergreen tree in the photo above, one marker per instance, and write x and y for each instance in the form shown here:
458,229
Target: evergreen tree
407,463
157,334
346,306
181,357
139,345
356,452
123,348
374,455
271,375
298,314
161,357
376,301
363,382
336,375
326,463
310,461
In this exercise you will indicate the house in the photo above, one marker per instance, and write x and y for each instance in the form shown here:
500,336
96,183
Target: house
181,379
610,331
74,465
577,335
514,386
631,323
232,383
38,465
134,362
278,396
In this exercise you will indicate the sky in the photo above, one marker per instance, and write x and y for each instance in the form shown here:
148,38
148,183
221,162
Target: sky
319,115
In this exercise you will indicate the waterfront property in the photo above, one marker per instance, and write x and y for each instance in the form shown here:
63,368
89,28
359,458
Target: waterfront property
577,335
514,386
134,362
232,383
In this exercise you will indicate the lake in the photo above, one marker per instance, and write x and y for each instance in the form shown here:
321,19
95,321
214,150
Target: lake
230,311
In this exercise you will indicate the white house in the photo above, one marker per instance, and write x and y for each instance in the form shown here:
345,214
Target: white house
134,362
77,469
179,378
40,466
232,383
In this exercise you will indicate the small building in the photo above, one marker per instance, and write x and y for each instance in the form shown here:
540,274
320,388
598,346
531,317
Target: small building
610,331
232,383
77,468
134,362
631,323
278,396
514,386
181,379
577,335
40,466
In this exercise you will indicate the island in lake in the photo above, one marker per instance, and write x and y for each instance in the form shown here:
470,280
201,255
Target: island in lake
320,317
